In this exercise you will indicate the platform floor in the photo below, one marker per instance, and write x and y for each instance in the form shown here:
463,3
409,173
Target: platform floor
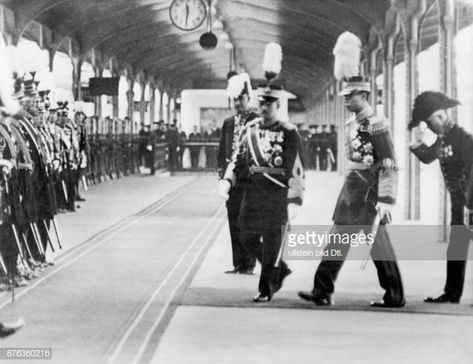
140,280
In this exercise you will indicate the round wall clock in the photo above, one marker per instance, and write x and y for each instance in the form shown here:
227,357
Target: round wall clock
187,14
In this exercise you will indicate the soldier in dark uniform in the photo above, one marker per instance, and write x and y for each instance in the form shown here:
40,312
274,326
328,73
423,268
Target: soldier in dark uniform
454,149
28,179
11,212
80,121
37,176
305,137
153,137
324,145
269,159
14,158
314,147
47,200
370,189
209,150
181,147
238,90
333,137
172,138
54,130
142,137
70,153
195,137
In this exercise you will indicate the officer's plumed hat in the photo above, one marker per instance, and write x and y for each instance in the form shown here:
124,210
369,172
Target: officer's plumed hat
272,67
347,52
427,103
238,85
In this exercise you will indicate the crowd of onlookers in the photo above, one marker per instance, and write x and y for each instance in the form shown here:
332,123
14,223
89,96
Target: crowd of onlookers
320,146
198,150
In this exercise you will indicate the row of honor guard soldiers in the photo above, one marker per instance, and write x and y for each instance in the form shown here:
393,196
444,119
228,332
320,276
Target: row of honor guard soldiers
41,161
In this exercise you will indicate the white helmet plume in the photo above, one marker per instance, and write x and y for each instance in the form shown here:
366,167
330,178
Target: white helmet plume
9,105
347,56
238,85
272,60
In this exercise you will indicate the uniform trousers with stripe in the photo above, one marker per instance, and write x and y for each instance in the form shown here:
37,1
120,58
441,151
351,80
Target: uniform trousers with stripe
457,252
242,258
265,246
352,215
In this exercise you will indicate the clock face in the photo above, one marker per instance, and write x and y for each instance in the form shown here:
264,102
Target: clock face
187,14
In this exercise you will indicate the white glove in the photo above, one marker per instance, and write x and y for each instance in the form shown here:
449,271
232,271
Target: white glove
419,134
384,211
6,166
224,188
56,164
292,211
149,148
419,131
83,160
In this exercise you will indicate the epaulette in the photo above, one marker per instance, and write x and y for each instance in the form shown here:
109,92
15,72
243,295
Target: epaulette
377,125
229,120
287,125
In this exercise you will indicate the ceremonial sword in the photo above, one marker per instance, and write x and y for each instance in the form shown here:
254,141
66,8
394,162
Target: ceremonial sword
374,232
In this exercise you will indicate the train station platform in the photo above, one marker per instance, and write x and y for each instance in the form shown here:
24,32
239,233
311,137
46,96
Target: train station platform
141,280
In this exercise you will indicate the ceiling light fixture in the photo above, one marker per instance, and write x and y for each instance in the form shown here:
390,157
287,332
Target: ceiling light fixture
208,40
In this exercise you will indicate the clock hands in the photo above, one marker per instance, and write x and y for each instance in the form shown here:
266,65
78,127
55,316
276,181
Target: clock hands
187,11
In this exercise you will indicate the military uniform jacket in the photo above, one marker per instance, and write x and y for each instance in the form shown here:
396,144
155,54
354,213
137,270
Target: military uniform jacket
172,138
455,153
43,186
230,135
18,154
269,162
7,153
373,174
324,142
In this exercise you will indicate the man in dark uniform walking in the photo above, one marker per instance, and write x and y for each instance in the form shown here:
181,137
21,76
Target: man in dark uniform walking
269,159
172,139
454,149
314,146
305,137
333,137
238,89
324,145
143,135
181,147
195,137
370,189
150,141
